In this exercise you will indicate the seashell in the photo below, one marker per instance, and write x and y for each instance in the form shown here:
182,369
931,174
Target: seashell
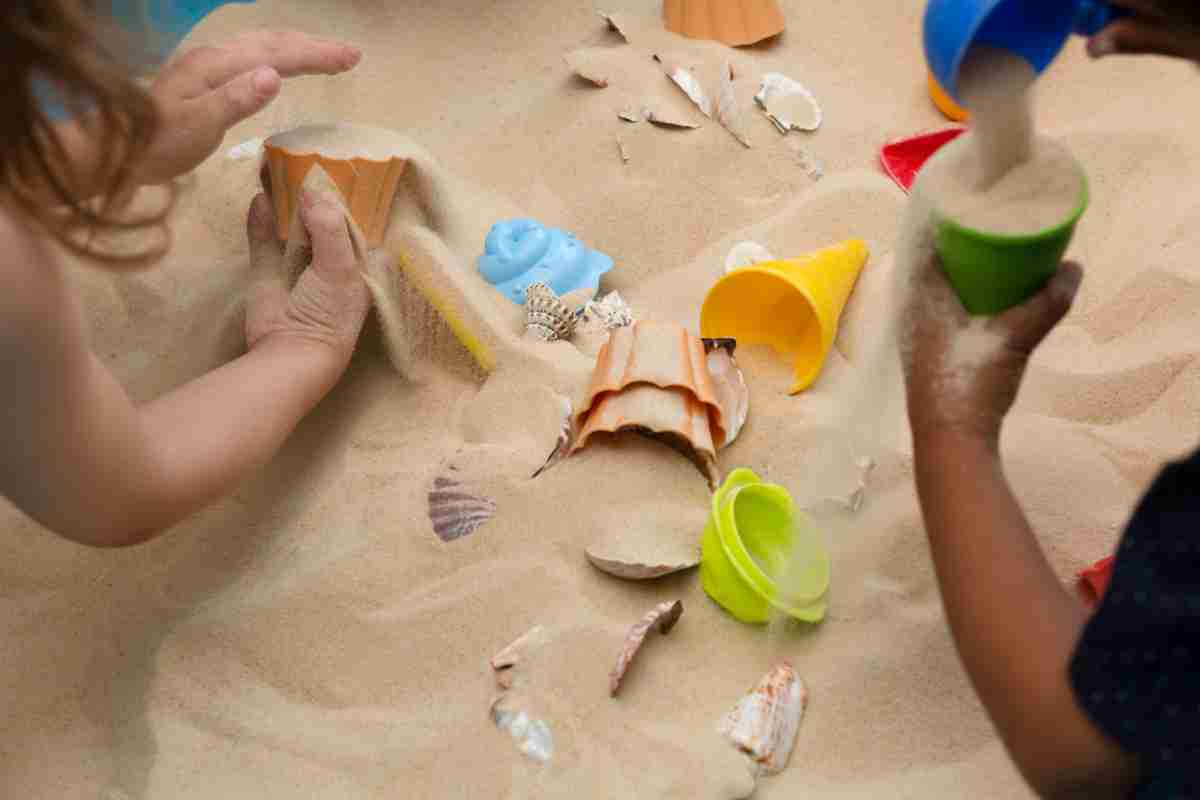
733,22
639,555
456,513
546,316
365,163
663,617
589,64
729,113
732,392
511,656
521,252
533,737
746,254
563,446
686,80
606,314
764,724
788,104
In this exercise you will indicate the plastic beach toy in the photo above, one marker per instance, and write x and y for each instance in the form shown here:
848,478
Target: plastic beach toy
522,252
993,272
794,305
760,553
945,103
1033,29
903,158
732,22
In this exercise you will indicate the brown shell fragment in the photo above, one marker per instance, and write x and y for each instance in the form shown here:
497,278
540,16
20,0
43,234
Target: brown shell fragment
663,617
456,513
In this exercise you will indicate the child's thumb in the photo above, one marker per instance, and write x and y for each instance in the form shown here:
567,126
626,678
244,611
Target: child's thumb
335,251
1029,324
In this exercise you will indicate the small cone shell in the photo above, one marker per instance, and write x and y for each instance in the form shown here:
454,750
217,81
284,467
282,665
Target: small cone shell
368,183
733,22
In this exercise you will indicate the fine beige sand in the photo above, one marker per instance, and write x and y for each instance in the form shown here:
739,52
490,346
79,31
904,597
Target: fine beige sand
310,636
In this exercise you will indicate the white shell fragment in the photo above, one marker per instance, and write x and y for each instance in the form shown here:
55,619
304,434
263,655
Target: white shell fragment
788,104
732,392
547,317
663,617
640,555
855,501
456,513
666,119
566,436
764,724
585,65
686,80
631,115
532,736
606,314
729,113
746,254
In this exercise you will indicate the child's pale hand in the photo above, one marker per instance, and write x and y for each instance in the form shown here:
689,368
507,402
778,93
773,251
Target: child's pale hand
206,91
963,373
330,301
1157,27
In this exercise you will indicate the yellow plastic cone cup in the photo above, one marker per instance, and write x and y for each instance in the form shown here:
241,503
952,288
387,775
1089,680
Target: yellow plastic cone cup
794,305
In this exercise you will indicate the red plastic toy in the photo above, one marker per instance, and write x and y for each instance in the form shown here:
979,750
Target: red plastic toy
1094,582
903,159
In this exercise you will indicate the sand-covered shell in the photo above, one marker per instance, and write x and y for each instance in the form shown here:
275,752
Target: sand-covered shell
520,252
547,317
504,662
663,617
640,555
733,22
732,392
789,104
455,512
365,163
533,737
764,723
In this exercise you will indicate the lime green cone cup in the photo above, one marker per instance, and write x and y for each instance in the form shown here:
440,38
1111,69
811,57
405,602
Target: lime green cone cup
992,272
760,554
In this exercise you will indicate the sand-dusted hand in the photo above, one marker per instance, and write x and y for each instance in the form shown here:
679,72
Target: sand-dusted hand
1156,27
963,373
329,302
208,90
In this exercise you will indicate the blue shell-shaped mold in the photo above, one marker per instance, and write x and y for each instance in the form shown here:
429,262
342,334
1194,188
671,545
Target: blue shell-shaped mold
522,251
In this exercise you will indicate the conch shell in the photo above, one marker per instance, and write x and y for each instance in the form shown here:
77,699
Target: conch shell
765,722
663,617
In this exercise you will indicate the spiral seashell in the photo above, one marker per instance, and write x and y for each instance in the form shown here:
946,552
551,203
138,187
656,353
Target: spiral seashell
521,252
546,316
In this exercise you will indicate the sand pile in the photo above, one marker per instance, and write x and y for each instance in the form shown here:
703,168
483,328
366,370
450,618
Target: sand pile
312,636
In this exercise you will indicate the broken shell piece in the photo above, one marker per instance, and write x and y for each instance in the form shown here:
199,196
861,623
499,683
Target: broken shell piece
630,115
546,316
729,113
686,80
733,22
608,313
532,736
511,655
746,254
765,722
587,65
663,617
456,513
622,151
563,445
365,163
732,392
641,555
665,119
788,104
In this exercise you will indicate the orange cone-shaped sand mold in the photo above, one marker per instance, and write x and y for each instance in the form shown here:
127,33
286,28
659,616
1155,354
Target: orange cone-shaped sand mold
733,22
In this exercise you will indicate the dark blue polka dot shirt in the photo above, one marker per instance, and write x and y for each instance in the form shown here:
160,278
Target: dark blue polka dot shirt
1137,669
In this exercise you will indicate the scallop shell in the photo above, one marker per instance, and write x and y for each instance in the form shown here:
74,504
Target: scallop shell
546,316
789,104
663,617
456,513
764,724
365,163
733,22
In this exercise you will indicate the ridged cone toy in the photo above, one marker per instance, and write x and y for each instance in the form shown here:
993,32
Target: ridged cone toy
357,158
732,22
794,305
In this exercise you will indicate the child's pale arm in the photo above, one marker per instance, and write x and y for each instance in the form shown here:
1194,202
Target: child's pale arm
1015,625
78,456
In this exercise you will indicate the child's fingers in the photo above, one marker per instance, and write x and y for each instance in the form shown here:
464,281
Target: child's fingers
334,256
266,253
241,98
1029,324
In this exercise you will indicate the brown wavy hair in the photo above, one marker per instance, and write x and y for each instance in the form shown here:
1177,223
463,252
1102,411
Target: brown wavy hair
68,53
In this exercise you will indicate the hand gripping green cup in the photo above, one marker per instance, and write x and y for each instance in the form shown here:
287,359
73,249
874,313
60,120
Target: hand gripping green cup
760,553
994,272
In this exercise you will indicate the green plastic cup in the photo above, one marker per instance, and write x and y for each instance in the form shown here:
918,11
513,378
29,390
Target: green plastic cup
993,272
759,553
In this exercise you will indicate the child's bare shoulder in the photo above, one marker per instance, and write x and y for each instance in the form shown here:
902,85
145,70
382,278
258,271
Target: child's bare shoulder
33,293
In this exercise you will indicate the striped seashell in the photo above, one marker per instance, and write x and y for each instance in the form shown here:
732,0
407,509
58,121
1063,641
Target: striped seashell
456,513
546,316
765,722
663,616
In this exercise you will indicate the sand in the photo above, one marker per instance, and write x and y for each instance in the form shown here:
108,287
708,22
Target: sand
310,635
